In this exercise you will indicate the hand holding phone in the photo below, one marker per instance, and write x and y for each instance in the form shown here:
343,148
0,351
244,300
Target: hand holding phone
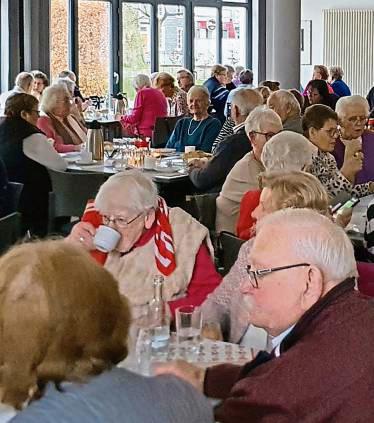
352,202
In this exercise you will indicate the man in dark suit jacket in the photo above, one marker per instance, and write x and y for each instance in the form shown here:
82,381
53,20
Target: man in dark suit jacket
210,176
300,289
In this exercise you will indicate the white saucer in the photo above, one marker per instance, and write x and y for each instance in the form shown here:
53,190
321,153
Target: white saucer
85,162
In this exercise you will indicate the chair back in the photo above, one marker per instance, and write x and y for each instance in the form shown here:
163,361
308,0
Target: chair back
203,208
14,191
229,246
366,278
164,126
70,192
10,230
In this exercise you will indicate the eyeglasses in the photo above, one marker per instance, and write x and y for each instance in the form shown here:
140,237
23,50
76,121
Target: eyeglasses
358,119
332,133
255,274
120,222
267,135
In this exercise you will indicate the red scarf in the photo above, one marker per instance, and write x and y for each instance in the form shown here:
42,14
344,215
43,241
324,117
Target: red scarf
164,247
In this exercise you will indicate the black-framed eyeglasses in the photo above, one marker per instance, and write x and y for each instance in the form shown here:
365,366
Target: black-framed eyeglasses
255,274
120,222
267,135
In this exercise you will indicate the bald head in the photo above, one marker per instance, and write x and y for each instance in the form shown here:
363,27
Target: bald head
243,102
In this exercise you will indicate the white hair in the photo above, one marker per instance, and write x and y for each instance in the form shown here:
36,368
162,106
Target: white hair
287,151
286,100
315,239
350,101
24,80
199,89
256,119
51,95
141,80
67,82
130,190
246,100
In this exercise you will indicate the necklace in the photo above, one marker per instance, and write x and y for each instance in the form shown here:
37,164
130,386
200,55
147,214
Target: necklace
197,127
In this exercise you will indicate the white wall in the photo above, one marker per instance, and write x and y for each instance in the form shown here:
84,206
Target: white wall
312,10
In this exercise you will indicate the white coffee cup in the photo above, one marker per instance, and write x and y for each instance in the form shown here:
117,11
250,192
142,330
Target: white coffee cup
149,162
86,156
106,238
189,148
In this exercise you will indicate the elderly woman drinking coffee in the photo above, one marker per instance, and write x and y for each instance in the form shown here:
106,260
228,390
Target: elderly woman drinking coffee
153,240
201,130
58,123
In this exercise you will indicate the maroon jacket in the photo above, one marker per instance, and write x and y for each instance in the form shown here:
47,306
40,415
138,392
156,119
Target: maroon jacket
325,372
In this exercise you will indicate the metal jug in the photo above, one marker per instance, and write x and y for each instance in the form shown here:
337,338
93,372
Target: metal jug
95,140
120,103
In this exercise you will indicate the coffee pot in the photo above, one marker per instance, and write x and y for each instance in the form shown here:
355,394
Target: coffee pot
120,103
95,140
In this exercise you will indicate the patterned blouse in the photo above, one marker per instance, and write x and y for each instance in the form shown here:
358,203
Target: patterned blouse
324,167
178,103
226,130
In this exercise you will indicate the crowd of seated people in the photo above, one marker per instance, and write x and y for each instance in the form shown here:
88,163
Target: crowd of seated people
276,160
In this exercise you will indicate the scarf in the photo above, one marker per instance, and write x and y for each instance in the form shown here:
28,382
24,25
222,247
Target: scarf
69,129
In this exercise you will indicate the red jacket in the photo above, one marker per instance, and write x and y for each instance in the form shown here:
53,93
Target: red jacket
325,371
245,223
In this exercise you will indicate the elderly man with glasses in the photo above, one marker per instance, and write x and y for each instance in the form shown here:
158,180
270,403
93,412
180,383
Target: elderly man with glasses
353,113
301,277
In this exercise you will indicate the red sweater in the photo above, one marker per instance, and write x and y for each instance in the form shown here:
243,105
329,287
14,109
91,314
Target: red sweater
250,201
204,278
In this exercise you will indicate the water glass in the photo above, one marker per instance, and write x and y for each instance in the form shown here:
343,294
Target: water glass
188,322
143,351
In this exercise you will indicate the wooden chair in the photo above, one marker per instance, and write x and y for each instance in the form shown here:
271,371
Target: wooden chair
10,230
70,192
229,246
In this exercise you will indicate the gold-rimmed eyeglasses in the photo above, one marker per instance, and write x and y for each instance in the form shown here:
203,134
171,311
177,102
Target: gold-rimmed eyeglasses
119,221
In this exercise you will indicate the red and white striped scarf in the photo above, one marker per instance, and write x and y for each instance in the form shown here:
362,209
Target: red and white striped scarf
164,247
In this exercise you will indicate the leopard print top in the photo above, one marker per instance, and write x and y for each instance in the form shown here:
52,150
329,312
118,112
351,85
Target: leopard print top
324,167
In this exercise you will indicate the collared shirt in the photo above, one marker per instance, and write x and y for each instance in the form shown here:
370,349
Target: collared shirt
274,342
238,126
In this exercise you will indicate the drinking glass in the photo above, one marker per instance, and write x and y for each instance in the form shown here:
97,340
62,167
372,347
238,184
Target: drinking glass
188,322
143,351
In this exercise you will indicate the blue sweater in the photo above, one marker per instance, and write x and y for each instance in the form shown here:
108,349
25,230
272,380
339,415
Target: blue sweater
120,396
341,88
201,134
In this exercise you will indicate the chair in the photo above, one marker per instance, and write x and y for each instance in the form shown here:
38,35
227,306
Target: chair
229,246
14,191
10,230
70,192
203,208
366,278
164,126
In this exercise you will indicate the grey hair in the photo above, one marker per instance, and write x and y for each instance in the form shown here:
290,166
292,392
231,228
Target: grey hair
353,100
24,80
287,151
246,100
336,72
199,89
50,96
315,239
141,80
286,100
130,190
67,82
256,119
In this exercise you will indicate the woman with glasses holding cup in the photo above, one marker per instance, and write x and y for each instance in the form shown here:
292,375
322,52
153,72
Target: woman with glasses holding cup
320,126
143,238
353,113
26,153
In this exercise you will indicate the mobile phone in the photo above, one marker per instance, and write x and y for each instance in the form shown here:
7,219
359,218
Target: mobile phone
346,205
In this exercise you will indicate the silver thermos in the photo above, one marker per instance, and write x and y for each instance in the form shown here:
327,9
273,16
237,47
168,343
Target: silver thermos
95,140
120,104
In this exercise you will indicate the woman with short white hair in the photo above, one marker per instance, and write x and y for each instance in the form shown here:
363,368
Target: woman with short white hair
286,151
58,122
149,105
336,80
153,241
288,108
353,113
200,130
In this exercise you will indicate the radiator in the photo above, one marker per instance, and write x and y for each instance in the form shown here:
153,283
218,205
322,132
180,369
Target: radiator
349,43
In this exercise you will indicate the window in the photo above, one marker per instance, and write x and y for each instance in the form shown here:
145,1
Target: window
171,24
205,44
136,43
59,55
94,47
234,36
